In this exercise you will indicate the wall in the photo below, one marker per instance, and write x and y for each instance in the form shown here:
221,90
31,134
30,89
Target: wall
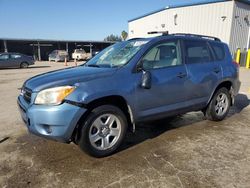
240,26
212,19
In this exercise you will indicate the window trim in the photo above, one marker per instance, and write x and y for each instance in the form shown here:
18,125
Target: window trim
5,59
212,58
214,53
10,56
179,46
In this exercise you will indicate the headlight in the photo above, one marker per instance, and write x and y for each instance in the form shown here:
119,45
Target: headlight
53,96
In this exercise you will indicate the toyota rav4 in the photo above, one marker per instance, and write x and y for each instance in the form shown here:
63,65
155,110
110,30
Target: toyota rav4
133,81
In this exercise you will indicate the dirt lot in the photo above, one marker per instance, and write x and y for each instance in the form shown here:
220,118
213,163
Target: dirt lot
186,151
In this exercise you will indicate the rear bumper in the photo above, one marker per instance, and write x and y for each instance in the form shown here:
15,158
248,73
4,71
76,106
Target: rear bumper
51,122
77,56
236,87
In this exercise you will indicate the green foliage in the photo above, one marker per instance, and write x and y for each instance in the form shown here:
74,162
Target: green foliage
113,38
124,35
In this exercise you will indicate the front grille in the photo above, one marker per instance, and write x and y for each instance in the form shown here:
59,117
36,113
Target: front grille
27,94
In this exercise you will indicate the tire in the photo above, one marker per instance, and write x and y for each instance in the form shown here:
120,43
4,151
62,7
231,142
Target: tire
219,105
24,65
107,126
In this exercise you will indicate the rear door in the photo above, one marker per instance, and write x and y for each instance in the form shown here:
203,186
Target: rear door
203,72
219,53
4,61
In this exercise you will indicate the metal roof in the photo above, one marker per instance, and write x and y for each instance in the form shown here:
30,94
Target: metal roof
187,5
53,40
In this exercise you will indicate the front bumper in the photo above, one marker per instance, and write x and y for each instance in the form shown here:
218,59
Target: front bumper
52,122
55,59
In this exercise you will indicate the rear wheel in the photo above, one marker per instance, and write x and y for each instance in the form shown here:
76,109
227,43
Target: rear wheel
103,131
24,65
219,106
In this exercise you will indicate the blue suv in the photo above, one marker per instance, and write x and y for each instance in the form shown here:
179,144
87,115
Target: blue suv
138,80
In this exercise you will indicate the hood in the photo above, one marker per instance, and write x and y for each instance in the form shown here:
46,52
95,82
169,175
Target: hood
69,76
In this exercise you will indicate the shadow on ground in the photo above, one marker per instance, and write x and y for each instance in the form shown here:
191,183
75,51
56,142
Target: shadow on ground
33,161
31,67
153,129
37,67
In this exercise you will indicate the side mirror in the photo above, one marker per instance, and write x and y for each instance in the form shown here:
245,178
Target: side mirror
146,80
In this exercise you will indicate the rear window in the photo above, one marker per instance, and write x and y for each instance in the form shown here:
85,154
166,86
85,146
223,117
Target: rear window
15,56
218,51
197,52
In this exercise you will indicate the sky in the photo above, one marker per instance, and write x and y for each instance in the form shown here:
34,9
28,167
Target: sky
73,19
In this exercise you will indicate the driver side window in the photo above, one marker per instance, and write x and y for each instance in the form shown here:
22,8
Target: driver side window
162,55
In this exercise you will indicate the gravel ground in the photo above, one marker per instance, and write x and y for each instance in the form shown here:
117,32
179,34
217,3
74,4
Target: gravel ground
184,151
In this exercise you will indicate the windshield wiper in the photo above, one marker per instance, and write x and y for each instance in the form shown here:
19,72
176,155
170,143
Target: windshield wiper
93,65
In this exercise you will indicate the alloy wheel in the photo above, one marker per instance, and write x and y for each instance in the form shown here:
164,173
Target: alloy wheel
105,131
221,104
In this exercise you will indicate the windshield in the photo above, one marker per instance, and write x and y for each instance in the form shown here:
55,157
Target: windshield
79,51
118,54
54,52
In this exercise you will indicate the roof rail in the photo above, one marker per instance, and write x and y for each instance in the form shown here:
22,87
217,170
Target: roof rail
134,39
196,35
158,32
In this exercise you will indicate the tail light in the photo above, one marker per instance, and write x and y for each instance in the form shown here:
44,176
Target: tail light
237,64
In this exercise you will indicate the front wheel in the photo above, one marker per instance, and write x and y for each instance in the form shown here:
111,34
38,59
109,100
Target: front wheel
103,131
218,107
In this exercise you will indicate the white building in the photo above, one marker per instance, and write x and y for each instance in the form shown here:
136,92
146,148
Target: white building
226,19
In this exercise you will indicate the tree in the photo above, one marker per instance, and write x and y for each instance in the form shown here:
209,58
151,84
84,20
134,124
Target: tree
124,35
113,38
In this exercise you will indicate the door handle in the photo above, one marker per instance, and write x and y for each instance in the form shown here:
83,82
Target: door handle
181,75
216,70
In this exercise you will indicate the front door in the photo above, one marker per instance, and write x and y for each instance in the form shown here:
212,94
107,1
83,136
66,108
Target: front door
169,75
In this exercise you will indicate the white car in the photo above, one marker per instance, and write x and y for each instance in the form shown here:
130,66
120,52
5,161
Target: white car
80,54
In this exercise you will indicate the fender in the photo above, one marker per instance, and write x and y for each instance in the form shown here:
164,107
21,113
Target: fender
232,93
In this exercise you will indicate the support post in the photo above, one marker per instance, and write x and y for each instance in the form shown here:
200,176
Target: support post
75,62
248,59
90,49
5,46
248,38
65,61
238,56
39,51
67,47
